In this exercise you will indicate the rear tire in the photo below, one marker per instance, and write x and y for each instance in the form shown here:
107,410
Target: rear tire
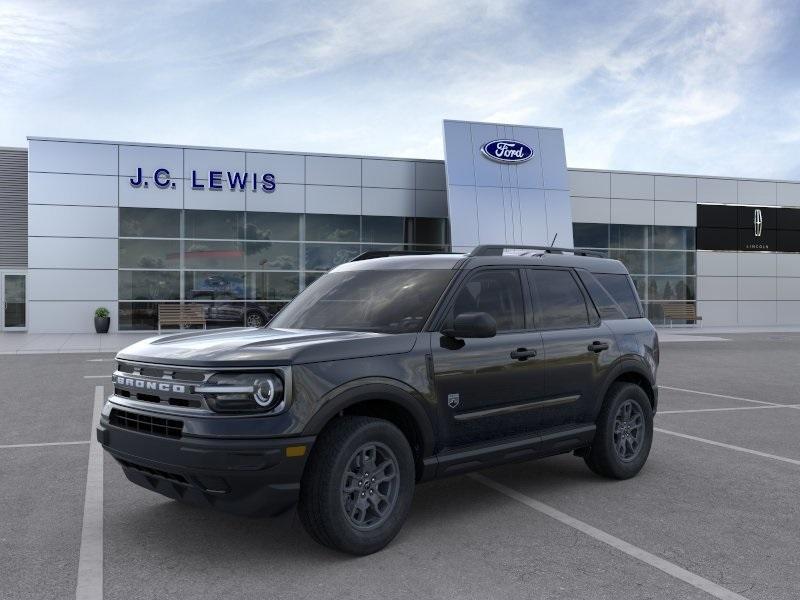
357,488
624,433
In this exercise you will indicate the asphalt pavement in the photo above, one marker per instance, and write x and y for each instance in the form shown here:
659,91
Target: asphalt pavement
714,513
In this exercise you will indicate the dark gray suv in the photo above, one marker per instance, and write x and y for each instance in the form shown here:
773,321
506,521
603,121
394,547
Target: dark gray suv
388,371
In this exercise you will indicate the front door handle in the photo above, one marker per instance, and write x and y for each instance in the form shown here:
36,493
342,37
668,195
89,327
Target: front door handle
597,346
523,354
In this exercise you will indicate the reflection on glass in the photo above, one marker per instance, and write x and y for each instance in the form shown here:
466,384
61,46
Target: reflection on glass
333,228
634,260
205,285
670,288
672,263
149,222
272,255
149,285
321,257
213,255
14,301
629,236
673,238
590,235
385,229
429,230
272,226
134,316
272,286
149,254
214,224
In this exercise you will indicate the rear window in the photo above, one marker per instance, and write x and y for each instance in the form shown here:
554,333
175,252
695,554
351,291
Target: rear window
621,290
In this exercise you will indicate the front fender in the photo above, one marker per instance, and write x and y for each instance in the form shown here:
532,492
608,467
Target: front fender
375,388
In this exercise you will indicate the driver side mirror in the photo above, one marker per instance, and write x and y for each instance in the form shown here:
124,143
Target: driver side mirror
472,325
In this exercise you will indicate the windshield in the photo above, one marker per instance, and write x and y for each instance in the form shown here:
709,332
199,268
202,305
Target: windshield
391,301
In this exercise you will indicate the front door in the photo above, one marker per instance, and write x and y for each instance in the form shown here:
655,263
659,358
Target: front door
485,387
12,291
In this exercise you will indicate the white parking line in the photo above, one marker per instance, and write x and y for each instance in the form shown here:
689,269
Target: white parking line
701,410
667,567
90,562
44,444
97,377
791,461
675,389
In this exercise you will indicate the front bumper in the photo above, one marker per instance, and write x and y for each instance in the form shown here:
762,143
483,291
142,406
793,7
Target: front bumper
243,476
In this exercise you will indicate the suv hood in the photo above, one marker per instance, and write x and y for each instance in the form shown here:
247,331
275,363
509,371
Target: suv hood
265,346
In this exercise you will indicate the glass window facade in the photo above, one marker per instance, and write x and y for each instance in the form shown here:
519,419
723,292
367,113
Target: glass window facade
244,266
660,259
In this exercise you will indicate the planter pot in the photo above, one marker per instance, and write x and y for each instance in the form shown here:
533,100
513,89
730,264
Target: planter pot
101,324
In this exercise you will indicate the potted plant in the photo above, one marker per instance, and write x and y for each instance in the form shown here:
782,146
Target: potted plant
101,320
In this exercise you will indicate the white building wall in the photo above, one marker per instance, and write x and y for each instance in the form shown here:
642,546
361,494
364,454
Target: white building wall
733,288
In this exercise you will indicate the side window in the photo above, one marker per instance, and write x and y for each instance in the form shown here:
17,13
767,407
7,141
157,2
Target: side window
497,292
620,288
560,304
608,307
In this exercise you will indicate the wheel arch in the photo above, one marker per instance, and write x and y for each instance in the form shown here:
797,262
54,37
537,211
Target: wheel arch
385,399
632,371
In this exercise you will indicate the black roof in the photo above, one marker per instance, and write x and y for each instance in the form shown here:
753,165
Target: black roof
561,258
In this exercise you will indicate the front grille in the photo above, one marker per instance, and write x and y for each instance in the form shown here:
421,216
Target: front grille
162,372
172,428
161,375
157,472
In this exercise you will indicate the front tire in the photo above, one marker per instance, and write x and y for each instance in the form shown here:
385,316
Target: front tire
624,433
357,488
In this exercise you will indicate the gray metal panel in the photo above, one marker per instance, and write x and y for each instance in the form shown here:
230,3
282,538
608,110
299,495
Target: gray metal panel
554,159
529,173
388,174
487,172
13,208
458,154
491,215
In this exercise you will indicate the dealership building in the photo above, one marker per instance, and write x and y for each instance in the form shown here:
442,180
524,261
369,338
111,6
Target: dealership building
138,227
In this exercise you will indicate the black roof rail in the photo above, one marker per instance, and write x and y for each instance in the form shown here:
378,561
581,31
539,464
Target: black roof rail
384,253
497,250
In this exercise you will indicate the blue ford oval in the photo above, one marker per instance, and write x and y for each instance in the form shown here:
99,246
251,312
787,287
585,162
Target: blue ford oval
507,151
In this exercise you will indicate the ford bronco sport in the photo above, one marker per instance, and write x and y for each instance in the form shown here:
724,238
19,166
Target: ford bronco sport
388,371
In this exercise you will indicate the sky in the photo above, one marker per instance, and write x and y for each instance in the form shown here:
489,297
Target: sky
699,87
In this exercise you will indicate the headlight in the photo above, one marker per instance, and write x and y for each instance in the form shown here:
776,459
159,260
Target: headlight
243,392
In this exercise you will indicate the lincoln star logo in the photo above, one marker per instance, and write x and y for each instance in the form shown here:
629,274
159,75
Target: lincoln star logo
507,151
758,222
146,384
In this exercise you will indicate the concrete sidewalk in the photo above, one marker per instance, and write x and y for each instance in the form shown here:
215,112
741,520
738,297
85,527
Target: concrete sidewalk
62,343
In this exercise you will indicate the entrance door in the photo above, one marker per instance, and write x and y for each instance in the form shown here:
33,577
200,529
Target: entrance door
12,290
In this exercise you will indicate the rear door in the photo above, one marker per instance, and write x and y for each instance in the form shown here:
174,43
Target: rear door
486,388
578,348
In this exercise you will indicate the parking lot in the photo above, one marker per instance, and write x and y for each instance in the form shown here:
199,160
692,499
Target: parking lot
715,512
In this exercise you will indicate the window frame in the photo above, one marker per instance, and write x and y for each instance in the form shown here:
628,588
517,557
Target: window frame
593,319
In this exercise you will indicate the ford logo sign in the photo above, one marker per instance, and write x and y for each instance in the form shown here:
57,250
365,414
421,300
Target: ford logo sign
507,151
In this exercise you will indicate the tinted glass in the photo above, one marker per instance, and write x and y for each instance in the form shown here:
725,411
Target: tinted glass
321,257
671,263
385,229
138,315
634,260
214,224
333,228
213,255
673,238
496,292
149,285
272,226
629,236
272,255
590,235
430,231
149,222
149,254
560,302
606,305
396,301
619,287
213,285
272,286
670,288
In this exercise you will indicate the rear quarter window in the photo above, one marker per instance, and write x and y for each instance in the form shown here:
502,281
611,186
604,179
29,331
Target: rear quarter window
621,290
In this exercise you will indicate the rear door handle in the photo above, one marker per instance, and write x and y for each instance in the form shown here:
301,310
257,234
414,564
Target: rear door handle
523,354
597,346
